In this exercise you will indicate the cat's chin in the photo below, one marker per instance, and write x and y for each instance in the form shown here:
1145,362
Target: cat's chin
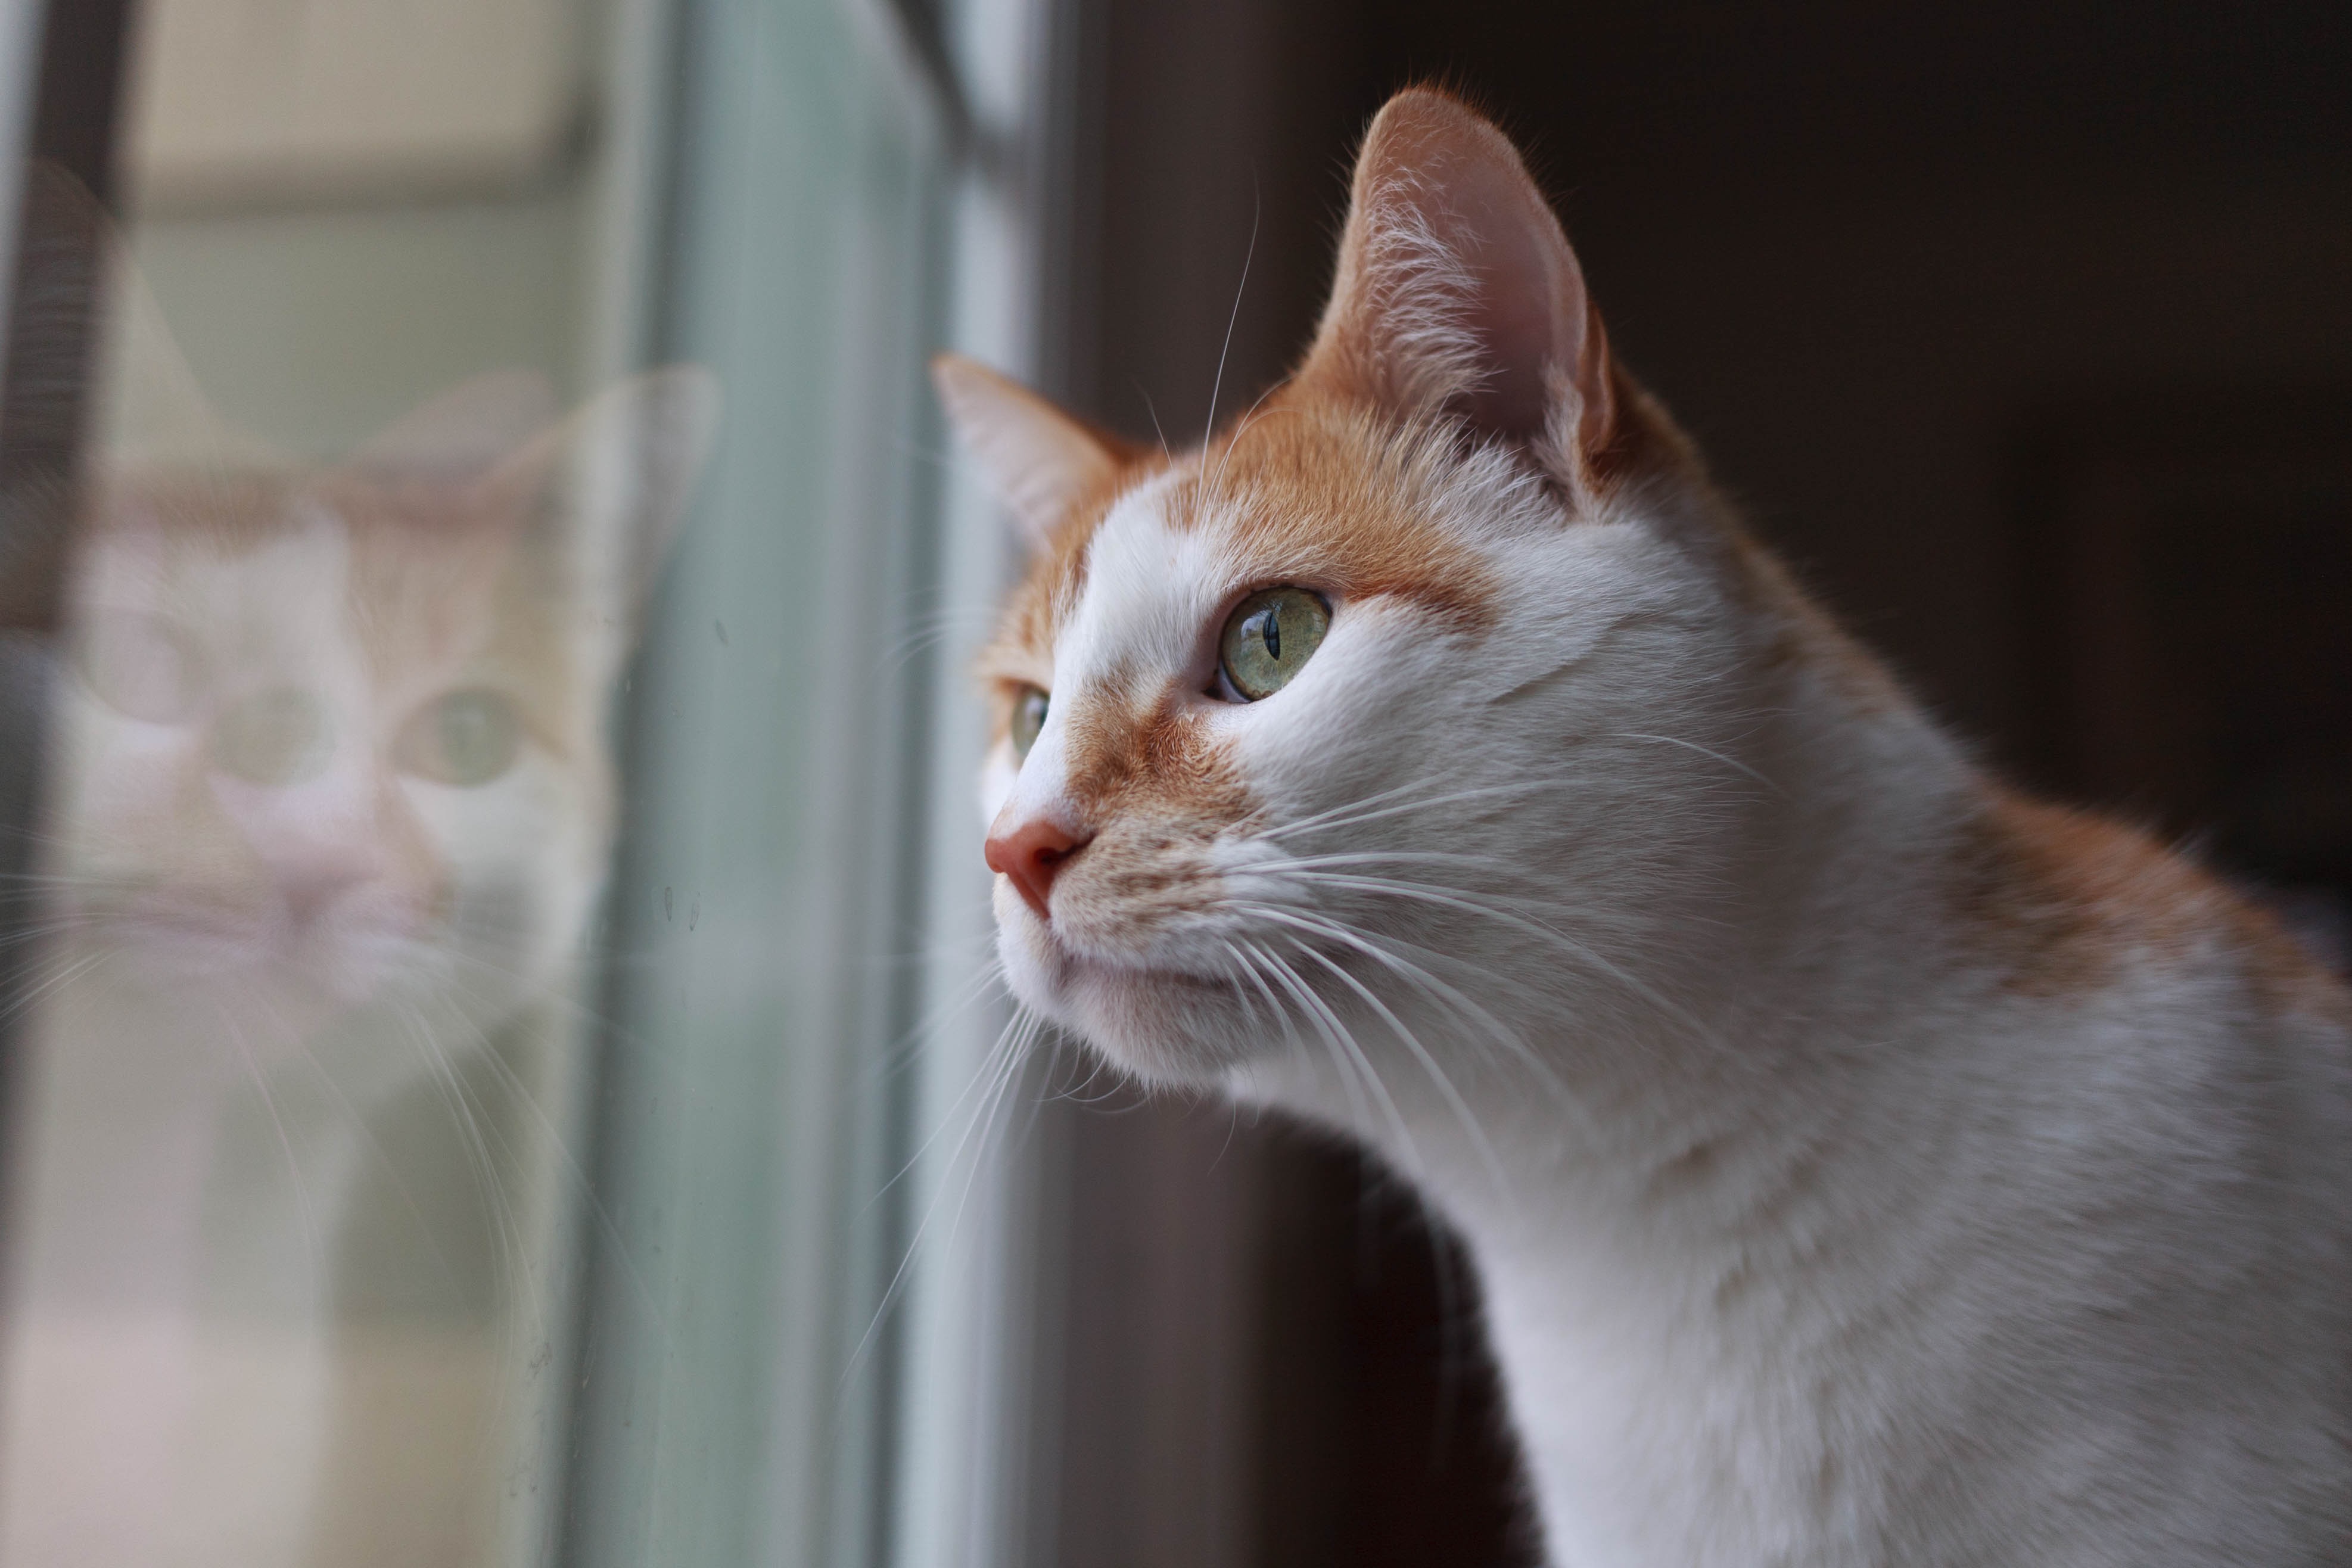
1167,1027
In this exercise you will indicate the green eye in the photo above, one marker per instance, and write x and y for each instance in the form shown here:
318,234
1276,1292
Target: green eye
464,738
1028,716
1270,637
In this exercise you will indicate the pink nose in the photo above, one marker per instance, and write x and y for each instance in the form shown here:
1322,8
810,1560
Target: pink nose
1031,853
311,877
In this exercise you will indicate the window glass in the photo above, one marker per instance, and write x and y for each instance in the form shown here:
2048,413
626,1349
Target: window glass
482,900
774,843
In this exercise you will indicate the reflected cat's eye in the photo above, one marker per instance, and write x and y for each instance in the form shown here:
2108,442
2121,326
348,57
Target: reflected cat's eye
462,738
139,665
1029,706
1268,638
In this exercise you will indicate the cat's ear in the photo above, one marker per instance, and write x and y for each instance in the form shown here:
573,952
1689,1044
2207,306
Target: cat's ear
465,432
635,452
147,411
1040,460
1456,290
613,480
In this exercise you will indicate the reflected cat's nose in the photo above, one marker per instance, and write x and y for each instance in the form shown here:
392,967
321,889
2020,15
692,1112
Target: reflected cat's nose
1031,853
311,883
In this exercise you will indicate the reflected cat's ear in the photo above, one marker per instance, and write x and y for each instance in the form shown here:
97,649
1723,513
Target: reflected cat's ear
614,480
466,431
147,411
1456,290
636,451
1041,460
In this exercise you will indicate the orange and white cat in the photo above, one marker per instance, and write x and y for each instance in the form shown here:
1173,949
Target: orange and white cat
1864,1163
330,802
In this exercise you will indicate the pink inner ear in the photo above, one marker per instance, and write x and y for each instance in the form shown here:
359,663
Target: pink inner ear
465,431
1457,289
1520,315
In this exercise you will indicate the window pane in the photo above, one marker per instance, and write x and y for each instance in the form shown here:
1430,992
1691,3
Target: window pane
732,1411
477,921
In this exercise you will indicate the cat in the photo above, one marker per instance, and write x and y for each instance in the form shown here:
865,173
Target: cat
330,804
1864,1162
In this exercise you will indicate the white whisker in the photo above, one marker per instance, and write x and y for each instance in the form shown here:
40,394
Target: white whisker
1702,751
1248,256
1411,1042
1378,948
1344,1048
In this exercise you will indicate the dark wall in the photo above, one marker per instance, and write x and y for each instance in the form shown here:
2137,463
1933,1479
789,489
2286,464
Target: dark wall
1910,274
1866,257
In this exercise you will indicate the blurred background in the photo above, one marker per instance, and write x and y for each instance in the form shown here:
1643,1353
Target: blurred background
2022,330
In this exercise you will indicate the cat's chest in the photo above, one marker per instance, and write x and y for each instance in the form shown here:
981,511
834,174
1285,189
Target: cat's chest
1658,1431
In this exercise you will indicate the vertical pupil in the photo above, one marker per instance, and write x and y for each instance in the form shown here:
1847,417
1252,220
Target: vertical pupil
461,730
1273,633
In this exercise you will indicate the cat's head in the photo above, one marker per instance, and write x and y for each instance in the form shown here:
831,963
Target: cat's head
330,735
1416,688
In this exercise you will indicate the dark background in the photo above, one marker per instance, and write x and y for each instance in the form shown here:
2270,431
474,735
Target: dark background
2025,330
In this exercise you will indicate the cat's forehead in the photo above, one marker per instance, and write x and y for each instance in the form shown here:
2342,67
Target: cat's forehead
412,580
1154,567
1329,497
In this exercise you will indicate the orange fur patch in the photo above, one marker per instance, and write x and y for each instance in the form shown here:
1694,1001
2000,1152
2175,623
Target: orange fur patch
1332,496
1159,758
1320,492
1803,635
2062,901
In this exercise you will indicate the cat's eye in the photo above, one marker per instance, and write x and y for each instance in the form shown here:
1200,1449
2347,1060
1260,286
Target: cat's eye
1269,637
463,738
277,737
1029,706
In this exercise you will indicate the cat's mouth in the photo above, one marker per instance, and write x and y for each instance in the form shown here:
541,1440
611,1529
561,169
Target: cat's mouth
1154,1014
344,959
1075,969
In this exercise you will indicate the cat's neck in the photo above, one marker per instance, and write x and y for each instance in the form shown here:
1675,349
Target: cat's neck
1860,1070
153,1396
1684,1173
141,1152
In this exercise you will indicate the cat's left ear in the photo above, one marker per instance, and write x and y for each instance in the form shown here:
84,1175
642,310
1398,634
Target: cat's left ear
1456,290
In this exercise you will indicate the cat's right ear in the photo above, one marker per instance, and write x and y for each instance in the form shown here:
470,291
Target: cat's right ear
1040,460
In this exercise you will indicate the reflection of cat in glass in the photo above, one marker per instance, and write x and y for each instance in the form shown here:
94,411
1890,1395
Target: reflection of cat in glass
330,799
